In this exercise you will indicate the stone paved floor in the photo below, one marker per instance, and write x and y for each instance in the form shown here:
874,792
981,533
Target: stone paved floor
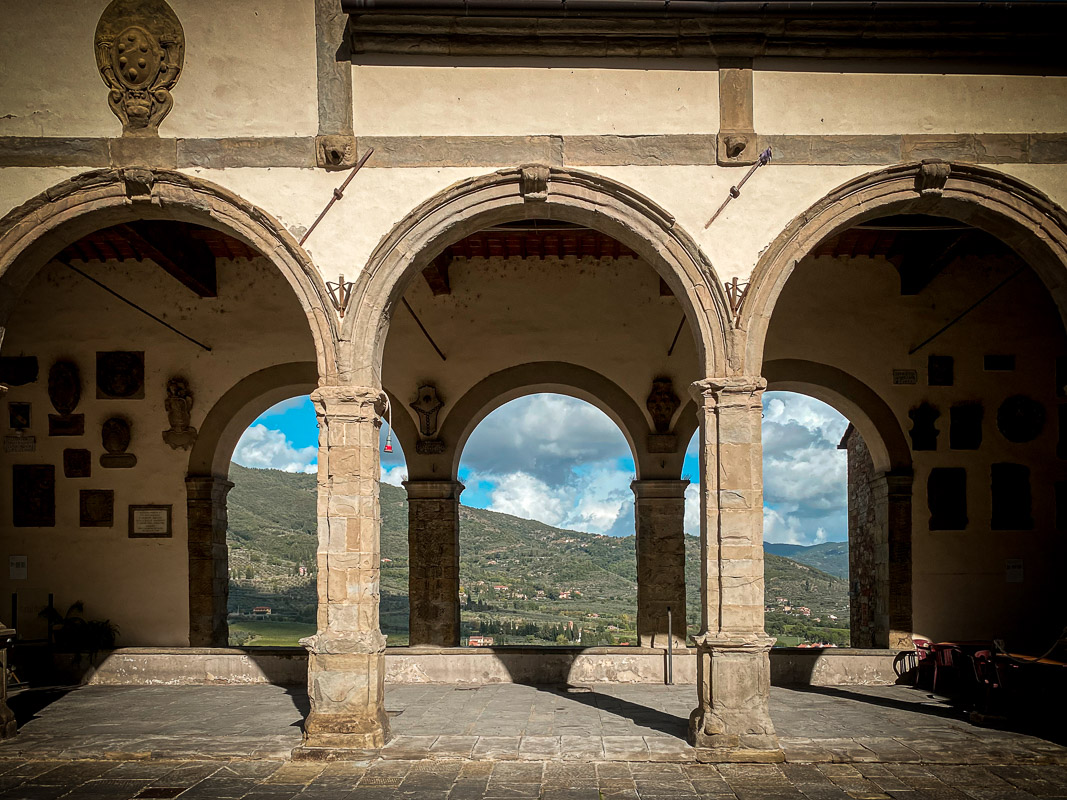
488,780
508,741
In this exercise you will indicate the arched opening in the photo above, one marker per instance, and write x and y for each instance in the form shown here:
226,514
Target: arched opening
547,544
130,310
942,303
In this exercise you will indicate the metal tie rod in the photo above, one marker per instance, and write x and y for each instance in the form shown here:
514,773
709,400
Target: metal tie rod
735,191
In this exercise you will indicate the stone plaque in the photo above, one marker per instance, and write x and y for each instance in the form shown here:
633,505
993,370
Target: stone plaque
946,497
64,386
18,416
1020,418
120,375
20,444
96,508
150,522
18,370
923,431
115,436
77,463
66,424
1013,570
998,362
33,495
905,377
940,370
965,426
1012,506
17,568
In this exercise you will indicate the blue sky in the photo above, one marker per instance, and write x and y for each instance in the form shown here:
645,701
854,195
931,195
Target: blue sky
563,461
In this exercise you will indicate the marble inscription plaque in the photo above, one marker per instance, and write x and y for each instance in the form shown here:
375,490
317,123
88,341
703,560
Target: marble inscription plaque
150,522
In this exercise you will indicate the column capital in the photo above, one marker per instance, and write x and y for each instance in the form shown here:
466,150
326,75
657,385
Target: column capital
733,390
203,487
433,490
353,402
899,482
659,489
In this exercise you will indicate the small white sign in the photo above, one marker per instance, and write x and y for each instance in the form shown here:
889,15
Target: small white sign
17,568
1013,570
149,522
20,444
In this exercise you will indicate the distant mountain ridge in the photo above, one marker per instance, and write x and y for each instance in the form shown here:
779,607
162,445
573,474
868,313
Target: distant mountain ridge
830,557
272,522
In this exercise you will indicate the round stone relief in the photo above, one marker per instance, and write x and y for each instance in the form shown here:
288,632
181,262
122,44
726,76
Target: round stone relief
1020,418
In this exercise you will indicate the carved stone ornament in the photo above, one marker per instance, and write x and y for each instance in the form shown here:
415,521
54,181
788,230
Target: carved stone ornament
65,391
932,177
535,182
179,405
662,403
426,406
140,49
115,436
335,151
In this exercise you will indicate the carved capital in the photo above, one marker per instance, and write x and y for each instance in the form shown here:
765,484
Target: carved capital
351,402
742,389
433,490
534,185
140,50
932,176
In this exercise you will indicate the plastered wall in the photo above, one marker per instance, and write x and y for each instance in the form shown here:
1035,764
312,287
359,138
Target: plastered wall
139,584
249,71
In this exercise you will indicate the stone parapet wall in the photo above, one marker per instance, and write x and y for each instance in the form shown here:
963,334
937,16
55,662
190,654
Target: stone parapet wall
152,666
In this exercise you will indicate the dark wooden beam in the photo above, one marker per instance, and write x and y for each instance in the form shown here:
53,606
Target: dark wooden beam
170,245
921,262
436,274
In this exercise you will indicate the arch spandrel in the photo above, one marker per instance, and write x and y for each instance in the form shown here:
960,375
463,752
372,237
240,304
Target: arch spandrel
1018,214
33,233
537,192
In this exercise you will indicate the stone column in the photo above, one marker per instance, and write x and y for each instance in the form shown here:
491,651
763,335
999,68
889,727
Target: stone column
732,721
898,487
209,579
346,658
433,562
659,513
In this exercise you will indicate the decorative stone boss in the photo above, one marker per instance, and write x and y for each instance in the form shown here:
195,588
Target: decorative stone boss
140,49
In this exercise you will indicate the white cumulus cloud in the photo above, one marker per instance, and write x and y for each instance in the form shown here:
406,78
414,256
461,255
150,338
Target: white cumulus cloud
263,448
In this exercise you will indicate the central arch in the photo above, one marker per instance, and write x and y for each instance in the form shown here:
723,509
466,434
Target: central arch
532,192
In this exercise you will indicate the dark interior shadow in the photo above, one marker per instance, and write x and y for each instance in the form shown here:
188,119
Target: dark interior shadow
1050,729
28,703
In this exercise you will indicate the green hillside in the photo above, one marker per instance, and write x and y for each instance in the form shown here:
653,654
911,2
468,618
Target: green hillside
520,580
830,557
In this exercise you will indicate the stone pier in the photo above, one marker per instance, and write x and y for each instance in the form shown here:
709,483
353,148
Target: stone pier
433,558
209,580
732,721
659,513
346,663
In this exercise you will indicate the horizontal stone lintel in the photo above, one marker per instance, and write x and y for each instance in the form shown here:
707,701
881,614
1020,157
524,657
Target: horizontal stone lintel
392,152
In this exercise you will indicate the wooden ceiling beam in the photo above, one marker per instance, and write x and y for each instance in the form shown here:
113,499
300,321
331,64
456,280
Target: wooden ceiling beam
170,246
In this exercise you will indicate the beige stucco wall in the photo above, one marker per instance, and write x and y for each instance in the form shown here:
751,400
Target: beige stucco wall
139,584
498,97
249,70
849,98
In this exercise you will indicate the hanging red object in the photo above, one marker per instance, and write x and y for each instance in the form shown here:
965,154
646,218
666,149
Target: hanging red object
388,448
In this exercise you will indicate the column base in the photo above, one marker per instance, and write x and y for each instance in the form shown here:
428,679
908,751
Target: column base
733,721
347,694
8,725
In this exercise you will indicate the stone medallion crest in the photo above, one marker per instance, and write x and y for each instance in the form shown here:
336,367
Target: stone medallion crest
140,49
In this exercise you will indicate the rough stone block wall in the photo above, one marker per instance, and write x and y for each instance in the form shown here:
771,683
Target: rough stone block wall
863,535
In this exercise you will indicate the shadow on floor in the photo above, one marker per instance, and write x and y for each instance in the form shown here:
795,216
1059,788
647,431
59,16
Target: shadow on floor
28,703
642,715
930,704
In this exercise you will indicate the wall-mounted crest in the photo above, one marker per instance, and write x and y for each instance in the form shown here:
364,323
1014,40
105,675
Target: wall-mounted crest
140,49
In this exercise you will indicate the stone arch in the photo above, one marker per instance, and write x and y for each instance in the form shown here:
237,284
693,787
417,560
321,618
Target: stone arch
545,376
207,485
31,234
880,584
856,401
532,192
1021,216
